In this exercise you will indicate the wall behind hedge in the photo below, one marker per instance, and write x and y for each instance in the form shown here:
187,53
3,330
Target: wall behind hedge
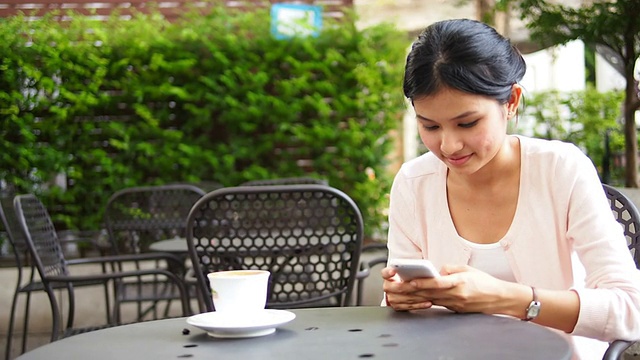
115,104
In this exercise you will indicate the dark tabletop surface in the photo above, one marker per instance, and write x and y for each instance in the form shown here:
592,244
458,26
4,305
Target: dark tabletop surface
175,245
326,333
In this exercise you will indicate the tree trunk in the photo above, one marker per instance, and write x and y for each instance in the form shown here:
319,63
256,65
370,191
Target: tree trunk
485,11
502,19
630,106
630,134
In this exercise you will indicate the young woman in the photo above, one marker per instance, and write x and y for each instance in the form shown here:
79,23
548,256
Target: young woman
516,226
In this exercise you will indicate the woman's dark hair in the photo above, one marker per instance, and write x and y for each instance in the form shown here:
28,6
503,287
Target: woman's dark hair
465,55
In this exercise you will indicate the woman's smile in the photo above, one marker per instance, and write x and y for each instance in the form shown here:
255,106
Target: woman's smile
458,160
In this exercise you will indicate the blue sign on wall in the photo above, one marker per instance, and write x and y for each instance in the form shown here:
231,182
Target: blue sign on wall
289,20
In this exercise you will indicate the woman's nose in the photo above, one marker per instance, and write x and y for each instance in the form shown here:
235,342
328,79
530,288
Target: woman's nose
450,143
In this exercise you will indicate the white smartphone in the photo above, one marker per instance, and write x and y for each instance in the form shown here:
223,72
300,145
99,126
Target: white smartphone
409,269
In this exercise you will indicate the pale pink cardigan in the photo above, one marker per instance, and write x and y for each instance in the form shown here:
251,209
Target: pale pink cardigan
563,229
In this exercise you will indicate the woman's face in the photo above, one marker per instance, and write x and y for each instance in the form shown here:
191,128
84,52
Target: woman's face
464,131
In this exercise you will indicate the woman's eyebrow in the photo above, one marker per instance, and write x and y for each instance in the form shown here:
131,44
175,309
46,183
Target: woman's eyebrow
463,115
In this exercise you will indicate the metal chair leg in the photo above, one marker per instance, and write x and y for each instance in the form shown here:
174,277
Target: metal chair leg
25,325
71,308
55,314
116,306
10,331
107,303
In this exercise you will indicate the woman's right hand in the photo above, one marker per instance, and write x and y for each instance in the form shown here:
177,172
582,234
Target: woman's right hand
402,295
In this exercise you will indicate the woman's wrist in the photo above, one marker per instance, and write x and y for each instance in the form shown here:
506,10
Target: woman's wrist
516,299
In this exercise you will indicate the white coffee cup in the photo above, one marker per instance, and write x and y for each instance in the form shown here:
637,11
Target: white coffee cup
239,290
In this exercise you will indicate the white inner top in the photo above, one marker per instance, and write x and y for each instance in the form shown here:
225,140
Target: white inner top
491,259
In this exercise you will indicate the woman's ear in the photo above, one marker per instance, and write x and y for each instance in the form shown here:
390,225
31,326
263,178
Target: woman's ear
514,100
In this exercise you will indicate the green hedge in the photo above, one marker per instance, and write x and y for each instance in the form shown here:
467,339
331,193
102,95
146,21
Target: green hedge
213,97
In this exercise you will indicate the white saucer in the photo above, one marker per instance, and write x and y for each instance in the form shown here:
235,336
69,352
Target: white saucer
224,325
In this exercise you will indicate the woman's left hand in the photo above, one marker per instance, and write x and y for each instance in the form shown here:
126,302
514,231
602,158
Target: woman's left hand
469,290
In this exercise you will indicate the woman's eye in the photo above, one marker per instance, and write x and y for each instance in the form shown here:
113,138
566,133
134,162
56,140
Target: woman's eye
468,125
430,128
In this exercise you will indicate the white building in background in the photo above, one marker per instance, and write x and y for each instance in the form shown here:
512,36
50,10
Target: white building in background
608,78
559,68
562,68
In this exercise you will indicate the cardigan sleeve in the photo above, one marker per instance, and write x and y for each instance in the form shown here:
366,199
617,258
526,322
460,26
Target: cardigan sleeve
402,225
610,299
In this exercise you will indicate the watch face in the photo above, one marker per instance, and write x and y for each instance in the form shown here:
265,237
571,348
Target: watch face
534,310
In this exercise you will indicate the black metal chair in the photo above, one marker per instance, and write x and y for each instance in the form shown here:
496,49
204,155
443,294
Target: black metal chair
308,236
135,218
54,270
24,285
628,216
286,181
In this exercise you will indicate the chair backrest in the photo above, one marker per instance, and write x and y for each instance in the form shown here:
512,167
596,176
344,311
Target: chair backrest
40,236
286,181
308,236
627,215
138,216
13,231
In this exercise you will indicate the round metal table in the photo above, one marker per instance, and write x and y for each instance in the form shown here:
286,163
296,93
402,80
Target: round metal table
176,245
326,333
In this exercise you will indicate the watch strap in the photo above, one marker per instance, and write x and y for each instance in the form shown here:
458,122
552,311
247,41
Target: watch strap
534,307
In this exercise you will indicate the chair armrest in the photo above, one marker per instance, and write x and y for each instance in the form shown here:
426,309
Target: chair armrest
365,266
616,349
364,272
128,258
105,277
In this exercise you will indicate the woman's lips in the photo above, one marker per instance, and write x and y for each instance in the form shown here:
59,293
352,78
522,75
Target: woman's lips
458,160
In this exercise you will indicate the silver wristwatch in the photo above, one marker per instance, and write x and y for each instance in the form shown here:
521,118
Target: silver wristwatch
534,307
